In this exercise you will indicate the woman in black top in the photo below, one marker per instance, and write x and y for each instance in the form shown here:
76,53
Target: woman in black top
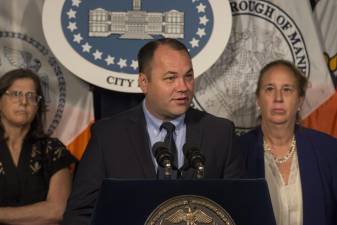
34,177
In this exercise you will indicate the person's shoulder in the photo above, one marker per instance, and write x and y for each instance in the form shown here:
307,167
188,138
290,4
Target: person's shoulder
251,133
205,117
322,142
53,146
324,145
119,119
317,135
52,142
249,136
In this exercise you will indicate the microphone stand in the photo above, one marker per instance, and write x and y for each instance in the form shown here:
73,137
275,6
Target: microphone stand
167,169
200,171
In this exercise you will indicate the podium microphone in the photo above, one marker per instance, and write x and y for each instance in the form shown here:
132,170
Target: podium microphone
195,159
164,158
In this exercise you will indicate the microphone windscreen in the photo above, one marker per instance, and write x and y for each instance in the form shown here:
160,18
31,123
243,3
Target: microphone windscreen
190,149
159,147
193,155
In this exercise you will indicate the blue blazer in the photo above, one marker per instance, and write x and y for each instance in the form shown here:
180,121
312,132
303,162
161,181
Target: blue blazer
317,156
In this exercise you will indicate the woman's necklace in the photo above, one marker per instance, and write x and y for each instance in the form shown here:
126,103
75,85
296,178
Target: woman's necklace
283,159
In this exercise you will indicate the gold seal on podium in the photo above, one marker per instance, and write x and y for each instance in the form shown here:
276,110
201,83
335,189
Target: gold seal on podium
189,210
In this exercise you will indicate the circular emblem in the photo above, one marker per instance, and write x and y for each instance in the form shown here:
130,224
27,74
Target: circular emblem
262,33
189,210
22,51
99,40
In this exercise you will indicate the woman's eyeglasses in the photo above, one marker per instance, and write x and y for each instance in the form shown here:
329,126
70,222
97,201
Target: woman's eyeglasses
31,97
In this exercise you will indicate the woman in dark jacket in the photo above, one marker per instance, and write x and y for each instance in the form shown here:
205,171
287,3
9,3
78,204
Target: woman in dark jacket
299,164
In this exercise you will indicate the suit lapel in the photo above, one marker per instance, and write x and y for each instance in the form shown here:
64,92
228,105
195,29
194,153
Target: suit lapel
312,190
193,129
140,142
255,156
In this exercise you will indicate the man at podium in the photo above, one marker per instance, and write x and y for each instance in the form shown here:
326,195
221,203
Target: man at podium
162,138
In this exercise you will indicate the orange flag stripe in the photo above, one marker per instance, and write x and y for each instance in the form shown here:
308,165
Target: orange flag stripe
325,117
78,145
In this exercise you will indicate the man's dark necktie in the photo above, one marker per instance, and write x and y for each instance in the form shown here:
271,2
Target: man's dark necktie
169,140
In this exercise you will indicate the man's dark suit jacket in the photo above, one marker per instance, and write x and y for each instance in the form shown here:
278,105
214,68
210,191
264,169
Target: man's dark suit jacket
119,148
317,159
